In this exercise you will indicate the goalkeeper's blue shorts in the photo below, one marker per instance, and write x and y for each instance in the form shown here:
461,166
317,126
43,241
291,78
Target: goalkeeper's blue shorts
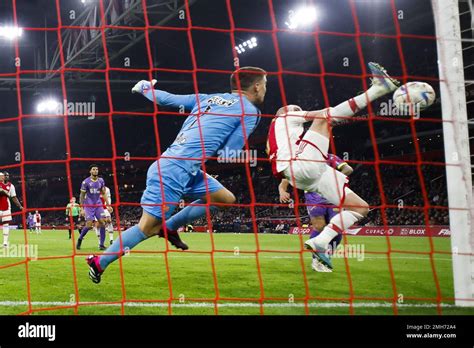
169,182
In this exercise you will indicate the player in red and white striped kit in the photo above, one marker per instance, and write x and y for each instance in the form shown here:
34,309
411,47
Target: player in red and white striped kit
301,157
7,193
37,220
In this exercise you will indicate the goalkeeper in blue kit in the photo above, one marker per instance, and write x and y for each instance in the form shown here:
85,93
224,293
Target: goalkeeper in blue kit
217,122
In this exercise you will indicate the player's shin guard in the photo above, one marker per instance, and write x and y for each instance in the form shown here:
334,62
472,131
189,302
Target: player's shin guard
336,226
6,231
130,238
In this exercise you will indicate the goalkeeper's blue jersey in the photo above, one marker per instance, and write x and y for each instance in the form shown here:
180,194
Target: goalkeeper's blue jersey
217,122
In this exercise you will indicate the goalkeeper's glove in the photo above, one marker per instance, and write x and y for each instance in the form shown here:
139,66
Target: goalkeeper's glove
143,86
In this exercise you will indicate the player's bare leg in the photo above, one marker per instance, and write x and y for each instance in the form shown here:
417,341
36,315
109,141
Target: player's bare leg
6,231
96,230
88,225
149,224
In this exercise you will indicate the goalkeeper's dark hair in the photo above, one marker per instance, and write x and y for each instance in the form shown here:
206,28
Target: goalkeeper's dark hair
247,76
93,166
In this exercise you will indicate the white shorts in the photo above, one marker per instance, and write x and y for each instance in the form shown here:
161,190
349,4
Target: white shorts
5,216
37,225
311,172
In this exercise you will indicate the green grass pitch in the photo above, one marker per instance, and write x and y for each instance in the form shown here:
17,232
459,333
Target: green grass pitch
56,284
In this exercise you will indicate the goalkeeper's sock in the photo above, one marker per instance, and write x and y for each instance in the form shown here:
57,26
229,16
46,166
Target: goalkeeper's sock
187,215
84,232
6,231
130,238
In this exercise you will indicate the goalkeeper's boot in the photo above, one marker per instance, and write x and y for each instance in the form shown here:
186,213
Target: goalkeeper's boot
95,271
317,266
78,245
382,79
102,247
174,239
319,252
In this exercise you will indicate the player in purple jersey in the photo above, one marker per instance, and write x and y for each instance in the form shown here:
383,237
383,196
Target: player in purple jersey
91,205
319,209
30,221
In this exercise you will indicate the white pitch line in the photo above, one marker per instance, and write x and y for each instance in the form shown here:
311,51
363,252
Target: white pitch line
262,256
235,304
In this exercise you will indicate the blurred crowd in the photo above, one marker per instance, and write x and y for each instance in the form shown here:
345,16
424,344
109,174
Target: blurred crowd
258,204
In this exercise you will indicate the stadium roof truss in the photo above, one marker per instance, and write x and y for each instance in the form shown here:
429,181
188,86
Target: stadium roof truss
83,48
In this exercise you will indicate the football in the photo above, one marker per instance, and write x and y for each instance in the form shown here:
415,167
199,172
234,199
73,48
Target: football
418,94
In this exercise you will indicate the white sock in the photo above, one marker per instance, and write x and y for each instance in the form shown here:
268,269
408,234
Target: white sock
96,230
338,224
325,237
110,228
354,105
6,231
345,219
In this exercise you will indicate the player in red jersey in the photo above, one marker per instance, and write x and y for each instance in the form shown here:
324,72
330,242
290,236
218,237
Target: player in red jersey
301,157
7,192
37,218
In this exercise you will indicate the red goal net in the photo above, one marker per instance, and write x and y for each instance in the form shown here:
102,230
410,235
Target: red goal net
67,81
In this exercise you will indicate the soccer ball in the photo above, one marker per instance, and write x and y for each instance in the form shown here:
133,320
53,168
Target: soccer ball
418,95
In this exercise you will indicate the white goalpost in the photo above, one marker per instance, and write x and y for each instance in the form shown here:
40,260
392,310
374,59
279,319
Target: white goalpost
456,145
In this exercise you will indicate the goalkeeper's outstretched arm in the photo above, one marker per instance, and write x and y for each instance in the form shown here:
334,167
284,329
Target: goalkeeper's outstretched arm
163,98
